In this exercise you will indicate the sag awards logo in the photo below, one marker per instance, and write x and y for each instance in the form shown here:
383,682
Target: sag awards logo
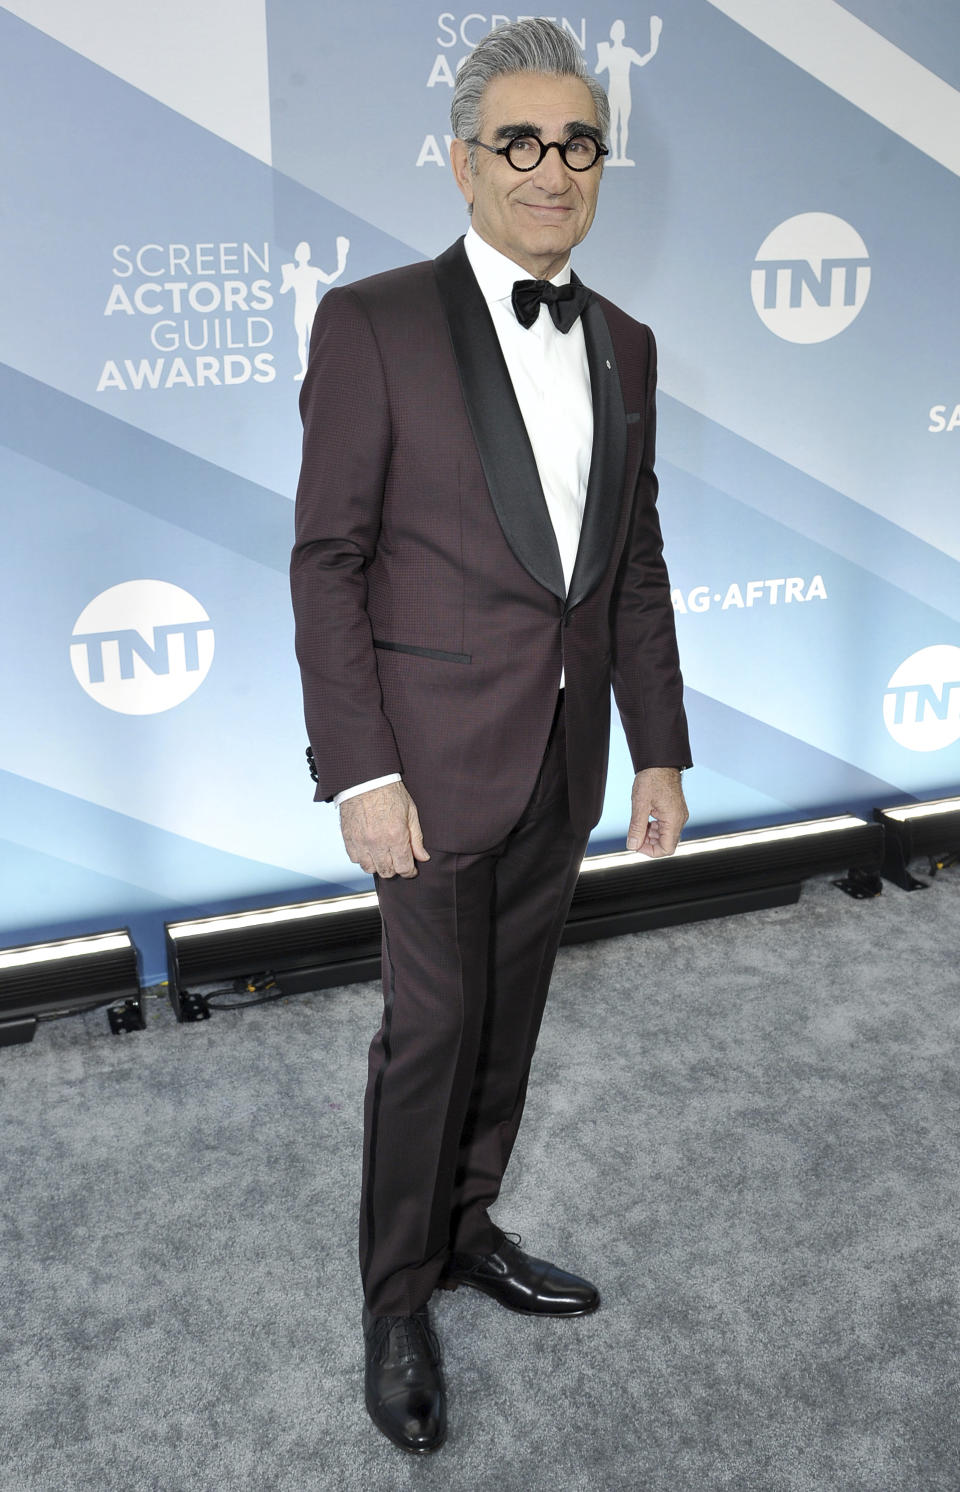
206,312
615,57
782,590
142,647
305,279
810,278
921,705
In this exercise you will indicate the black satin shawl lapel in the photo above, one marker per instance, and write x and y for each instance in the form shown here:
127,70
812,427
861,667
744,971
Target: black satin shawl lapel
502,442
601,512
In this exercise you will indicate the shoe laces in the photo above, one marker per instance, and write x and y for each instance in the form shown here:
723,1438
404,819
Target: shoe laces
407,1335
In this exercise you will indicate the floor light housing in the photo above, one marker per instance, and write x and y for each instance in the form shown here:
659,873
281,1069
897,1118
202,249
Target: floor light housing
716,876
39,980
318,944
912,829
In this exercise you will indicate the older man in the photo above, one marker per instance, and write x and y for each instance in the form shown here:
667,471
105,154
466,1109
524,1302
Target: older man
478,558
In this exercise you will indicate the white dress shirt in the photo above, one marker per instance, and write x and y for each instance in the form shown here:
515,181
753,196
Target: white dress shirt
551,379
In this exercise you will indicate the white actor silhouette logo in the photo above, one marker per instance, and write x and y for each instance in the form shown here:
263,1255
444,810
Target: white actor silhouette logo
302,278
616,60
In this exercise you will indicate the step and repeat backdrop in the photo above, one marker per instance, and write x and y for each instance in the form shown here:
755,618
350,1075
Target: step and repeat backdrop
180,185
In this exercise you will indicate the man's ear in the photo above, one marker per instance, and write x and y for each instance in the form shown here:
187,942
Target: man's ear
460,162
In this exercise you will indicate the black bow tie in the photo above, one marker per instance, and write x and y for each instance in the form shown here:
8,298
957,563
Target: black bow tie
565,302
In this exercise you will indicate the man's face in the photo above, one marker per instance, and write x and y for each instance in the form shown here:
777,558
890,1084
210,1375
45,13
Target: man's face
534,217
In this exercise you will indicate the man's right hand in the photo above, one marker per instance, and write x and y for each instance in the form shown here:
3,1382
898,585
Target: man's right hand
381,831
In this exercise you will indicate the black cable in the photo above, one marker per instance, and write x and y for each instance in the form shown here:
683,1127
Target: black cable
246,1004
253,983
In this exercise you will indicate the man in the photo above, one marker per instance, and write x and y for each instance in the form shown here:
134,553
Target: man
478,557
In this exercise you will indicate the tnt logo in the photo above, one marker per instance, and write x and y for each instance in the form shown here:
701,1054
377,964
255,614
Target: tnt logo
142,647
810,278
921,707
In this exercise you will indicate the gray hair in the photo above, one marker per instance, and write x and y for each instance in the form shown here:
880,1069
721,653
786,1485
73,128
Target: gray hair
534,45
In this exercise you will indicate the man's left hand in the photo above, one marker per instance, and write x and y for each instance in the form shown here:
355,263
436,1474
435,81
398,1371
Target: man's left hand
658,811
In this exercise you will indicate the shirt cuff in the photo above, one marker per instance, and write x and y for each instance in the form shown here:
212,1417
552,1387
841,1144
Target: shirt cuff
364,787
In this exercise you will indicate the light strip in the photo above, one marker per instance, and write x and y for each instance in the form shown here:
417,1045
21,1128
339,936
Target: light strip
740,840
364,901
862,66
48,953
207,926
922,810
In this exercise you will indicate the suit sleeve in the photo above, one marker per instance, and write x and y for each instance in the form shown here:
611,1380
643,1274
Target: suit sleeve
647,684
346,454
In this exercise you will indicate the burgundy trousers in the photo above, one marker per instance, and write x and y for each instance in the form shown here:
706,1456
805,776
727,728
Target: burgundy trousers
468,951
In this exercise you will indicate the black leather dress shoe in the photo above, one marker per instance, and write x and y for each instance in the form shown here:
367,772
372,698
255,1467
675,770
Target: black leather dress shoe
404,1388
521,1283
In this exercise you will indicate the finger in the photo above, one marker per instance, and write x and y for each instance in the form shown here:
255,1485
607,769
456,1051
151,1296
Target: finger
669,835
639,824
384,863
416,835
651,841
403,862
657,839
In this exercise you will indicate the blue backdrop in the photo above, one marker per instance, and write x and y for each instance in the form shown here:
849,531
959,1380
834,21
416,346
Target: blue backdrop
782,205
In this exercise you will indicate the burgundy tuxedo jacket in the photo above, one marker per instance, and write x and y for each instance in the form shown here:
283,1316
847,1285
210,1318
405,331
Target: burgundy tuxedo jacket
432,618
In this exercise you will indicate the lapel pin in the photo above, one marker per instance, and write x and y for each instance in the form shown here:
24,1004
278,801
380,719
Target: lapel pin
608,362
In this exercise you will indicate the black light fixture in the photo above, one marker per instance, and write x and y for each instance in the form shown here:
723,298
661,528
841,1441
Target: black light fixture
317,944
715,876
913,829
308,945
41,980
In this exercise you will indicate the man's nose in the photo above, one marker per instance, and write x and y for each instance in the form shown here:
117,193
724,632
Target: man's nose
551,175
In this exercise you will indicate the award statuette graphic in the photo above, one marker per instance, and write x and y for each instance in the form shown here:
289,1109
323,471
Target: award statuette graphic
303,278
616,60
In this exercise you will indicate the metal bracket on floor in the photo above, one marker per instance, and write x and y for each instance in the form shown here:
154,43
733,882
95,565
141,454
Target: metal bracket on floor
127,1016
895,867
862,885
192,1007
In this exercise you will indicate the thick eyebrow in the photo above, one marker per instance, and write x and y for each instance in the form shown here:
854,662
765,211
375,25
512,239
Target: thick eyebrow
514,131
580,127
570,131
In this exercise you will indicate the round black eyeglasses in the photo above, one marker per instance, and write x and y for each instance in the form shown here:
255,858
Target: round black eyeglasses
526,152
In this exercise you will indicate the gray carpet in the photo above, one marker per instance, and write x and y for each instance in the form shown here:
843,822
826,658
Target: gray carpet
747,1131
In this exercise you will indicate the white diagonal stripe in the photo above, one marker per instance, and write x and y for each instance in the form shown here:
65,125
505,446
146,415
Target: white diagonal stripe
205,58
862,66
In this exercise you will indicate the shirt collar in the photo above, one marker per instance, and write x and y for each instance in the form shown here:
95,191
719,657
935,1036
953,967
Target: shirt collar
496,274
